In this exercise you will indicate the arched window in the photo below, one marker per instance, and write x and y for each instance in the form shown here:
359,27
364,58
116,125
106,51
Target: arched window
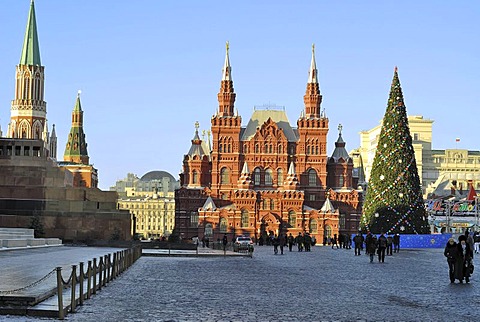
313,226
292,219
208,230
268,177
195,177
245,218
256,148
265,204
256,177
312,177
272,204
279,177
224,176
280,150
223,225
308,149
340,181
328,231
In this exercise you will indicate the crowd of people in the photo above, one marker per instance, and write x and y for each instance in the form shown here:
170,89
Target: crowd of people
460,257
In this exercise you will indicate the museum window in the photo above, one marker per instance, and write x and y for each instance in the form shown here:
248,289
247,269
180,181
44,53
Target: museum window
328,231
312,177
245,218
208,230
268,177
26,150
313,226
223,225
224,176
292,218
195,176
256,177
340,181
194,219
279,177
272,204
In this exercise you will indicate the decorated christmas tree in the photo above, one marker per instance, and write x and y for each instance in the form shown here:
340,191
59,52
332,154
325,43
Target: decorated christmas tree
394,201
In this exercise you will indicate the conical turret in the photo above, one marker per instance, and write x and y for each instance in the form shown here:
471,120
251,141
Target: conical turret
226,96
312,98
76,148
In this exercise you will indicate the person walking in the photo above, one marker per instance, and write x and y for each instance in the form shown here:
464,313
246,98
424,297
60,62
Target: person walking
357,240
276,242
299,241
476,241
367,242
225,242
307,241
282,241
371,246
450,253
396,243
334,241
291,241
463,260
382,246
389,245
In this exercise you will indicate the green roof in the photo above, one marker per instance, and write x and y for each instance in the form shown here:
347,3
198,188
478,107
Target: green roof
31,50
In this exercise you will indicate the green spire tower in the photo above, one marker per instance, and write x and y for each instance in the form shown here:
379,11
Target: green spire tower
31,49
28,112
76,148
394,201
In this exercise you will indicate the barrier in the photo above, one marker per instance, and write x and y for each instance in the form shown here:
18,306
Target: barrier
106,271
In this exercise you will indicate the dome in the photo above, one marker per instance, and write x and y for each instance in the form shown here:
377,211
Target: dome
157,175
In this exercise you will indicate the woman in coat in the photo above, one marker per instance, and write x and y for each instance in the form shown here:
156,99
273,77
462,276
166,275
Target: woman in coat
450,253
463,260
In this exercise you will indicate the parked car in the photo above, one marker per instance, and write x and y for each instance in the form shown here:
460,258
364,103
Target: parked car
243,243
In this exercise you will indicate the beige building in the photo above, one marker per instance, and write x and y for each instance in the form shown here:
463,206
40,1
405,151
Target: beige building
456,165
150,201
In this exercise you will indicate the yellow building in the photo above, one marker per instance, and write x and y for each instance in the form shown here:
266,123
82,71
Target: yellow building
458,166
150,201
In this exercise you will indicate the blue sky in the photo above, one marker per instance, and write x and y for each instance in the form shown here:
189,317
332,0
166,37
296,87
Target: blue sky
149,69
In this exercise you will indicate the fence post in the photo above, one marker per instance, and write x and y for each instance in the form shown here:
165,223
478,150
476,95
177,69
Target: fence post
114,264
109,266
61,312
104,270
94,276
80,286
89,276
73,281
100,268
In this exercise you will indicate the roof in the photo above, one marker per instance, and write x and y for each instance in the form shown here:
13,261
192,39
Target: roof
261,116
156,175
340,151
31,50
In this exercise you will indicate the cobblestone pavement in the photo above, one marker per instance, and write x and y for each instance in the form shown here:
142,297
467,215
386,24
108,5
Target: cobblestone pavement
323,285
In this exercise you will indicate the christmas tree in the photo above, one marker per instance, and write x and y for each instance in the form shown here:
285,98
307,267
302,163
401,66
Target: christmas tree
394,201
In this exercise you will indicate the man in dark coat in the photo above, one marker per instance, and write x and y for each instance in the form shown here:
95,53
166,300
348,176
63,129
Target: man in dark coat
371,246
389,245
382,246
357,240
450,253
396,243
463,260
291,241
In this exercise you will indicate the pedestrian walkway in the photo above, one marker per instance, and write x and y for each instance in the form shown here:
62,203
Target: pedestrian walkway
28,276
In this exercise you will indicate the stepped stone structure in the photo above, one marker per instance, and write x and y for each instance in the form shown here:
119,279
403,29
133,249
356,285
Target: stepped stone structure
37,191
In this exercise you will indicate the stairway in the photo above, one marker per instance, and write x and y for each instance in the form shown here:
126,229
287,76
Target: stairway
17,238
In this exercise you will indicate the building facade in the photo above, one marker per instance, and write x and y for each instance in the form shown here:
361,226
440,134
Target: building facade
266,177
150,201
32,184
457,165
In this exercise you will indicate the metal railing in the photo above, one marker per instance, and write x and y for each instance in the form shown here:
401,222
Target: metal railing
94,277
